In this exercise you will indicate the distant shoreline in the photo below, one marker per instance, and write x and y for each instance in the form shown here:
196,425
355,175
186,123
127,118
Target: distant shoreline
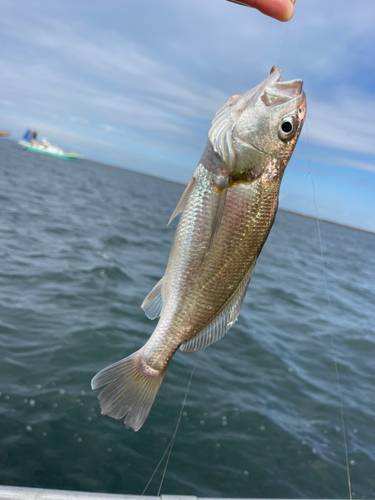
327,221
134,172
182,184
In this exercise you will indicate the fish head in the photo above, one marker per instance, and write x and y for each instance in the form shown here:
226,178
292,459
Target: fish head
258,130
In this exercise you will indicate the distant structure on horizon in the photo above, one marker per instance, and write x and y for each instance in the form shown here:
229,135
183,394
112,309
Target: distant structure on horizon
29,142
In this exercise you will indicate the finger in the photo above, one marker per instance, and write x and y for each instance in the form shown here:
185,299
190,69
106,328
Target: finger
282,10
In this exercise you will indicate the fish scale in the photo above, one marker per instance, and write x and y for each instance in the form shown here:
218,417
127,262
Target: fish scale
227,211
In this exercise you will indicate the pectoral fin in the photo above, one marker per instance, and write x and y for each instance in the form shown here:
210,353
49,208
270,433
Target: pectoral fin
183,200
221,323
221,195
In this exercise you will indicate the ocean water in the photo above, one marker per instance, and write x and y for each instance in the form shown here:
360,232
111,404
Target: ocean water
81,245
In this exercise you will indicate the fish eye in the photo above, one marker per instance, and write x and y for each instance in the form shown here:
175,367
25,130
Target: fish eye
288,128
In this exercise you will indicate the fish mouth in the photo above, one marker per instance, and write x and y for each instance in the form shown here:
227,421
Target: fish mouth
282,92
272,92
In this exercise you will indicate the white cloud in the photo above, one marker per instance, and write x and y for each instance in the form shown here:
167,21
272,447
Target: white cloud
336,161
113,59
57,134
77,119
343,123
356,164
108,128
211,49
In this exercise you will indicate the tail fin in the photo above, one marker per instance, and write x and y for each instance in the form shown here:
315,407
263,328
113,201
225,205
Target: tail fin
131,390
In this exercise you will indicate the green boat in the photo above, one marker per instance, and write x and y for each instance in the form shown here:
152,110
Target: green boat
44,147
52,151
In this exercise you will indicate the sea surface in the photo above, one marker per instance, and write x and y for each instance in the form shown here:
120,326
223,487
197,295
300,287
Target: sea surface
81,245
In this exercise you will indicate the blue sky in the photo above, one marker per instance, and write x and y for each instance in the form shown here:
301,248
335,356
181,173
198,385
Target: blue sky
137,83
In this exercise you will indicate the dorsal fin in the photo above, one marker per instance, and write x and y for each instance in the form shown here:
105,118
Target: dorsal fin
153,303
221,323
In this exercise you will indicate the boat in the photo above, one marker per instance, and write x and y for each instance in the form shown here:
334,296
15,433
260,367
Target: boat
28,137
4,134
30,143
45,148
25,493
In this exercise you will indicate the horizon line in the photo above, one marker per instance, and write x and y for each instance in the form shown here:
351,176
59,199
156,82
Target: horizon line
300,214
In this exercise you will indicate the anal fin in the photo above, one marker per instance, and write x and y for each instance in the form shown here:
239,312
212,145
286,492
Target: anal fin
153,303
222,322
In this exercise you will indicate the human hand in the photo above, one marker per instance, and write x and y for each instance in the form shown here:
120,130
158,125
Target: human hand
282,10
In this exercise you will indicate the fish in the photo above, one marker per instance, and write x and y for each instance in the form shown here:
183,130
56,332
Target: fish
227,211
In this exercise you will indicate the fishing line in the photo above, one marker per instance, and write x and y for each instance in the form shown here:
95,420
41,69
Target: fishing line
330,306
282,43
175,432
168,450
171,442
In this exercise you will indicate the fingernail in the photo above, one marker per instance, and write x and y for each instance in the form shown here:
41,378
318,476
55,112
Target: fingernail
241,3
290,10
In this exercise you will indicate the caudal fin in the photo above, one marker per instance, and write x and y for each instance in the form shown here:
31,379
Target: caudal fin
131,389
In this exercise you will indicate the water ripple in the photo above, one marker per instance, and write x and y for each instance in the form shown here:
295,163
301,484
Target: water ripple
81,246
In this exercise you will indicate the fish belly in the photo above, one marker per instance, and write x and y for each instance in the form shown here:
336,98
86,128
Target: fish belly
196,286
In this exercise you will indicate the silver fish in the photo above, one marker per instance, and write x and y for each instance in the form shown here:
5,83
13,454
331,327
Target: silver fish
227,211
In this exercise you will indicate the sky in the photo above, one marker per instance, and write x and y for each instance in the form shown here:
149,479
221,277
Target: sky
137,83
